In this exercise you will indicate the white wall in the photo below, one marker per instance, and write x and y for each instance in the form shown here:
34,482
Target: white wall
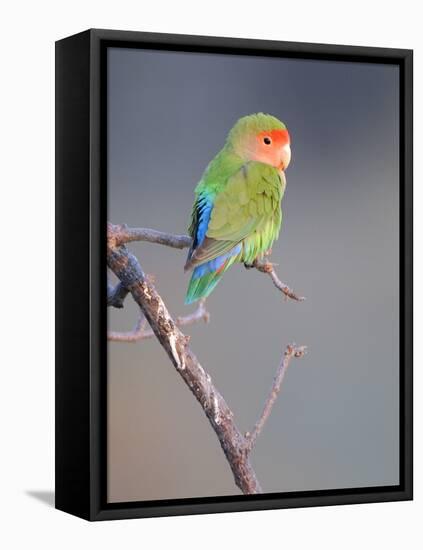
26,305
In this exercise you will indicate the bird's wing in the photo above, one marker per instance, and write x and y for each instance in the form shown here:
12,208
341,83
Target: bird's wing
249,198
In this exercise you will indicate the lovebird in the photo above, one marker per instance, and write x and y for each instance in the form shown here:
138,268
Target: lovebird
237,213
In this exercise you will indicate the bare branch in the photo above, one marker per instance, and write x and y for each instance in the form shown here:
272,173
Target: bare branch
116,295
135,335
175,343
200,314
153,310
140,332
123,234
127,234
267,267
290,352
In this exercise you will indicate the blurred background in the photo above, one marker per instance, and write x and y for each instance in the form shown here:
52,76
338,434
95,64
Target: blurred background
335,424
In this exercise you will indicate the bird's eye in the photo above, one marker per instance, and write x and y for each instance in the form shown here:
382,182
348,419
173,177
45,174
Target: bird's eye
267,140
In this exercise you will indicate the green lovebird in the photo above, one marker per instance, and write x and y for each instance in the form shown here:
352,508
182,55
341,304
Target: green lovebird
237,212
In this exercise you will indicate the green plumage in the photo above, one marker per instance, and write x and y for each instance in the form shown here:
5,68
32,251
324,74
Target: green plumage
237,210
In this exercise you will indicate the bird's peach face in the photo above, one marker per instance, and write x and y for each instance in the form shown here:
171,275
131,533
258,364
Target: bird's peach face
272,148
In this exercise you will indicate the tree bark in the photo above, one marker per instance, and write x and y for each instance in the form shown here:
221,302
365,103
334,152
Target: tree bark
126,267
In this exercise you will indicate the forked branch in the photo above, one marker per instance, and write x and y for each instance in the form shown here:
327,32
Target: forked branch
132,279
124,234
126,267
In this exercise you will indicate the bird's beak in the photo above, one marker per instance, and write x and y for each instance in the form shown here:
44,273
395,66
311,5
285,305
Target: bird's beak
285,156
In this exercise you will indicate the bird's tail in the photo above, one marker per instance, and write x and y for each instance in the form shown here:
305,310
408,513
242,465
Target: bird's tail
205,277
201,286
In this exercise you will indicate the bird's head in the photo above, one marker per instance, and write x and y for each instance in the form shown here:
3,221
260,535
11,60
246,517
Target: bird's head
261,138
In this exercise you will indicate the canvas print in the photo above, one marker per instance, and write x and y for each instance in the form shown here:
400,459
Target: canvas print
253,288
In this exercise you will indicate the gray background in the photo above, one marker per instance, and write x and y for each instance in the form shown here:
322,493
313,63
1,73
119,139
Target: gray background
335,424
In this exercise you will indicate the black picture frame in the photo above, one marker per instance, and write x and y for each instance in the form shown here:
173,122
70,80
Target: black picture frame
81,282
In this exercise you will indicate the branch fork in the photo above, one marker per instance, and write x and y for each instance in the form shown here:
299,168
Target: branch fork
153,312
